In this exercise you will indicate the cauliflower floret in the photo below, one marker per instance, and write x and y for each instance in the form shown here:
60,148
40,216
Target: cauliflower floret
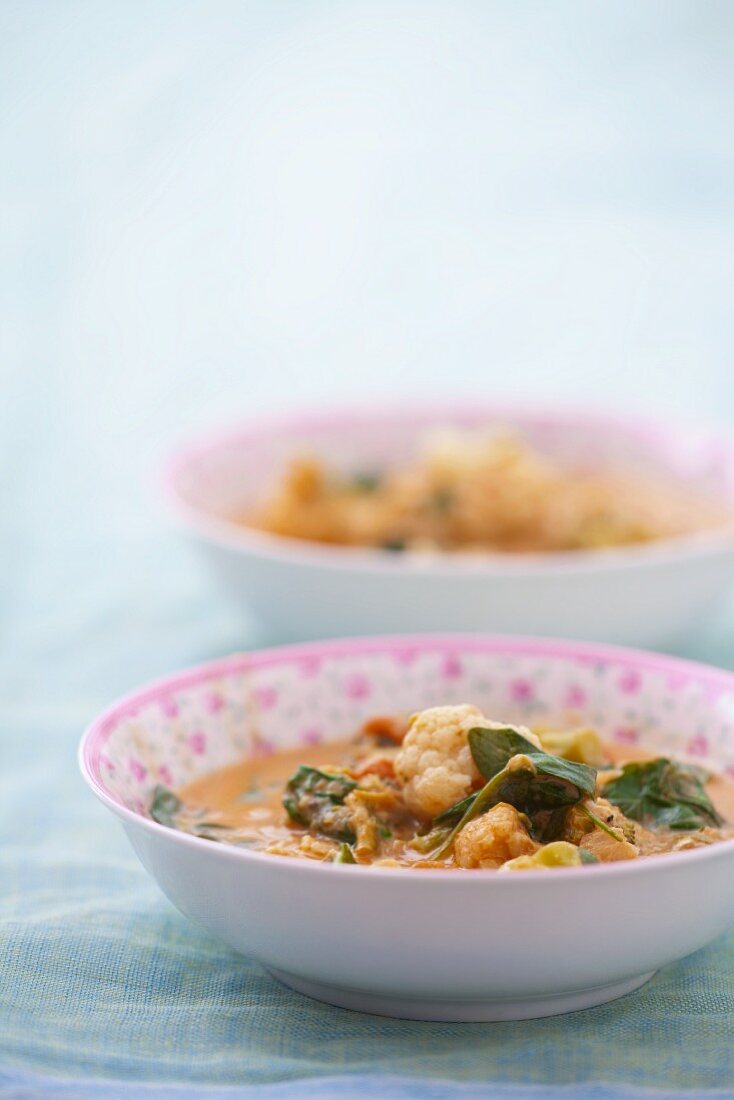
435,762
491,839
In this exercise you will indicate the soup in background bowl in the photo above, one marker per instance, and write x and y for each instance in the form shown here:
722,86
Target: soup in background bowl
573,524
401,940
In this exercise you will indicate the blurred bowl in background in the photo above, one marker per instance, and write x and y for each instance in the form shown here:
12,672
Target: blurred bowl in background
644,594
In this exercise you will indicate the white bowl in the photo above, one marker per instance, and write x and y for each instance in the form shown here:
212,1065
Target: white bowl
642,595
437,945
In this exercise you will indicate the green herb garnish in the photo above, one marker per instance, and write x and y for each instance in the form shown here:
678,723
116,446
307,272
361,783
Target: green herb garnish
344,854
442,500
492,748
602,824
366,482
315,799
663,794
165,806
517,772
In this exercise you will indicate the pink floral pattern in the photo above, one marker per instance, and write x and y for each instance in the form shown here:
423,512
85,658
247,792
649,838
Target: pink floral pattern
626,735
630,681
698,745
575,696
257,703
197,742
137,770
451,667
521,691
266,697
357,687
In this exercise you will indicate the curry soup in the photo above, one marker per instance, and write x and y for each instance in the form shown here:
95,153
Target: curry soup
450,788
479,491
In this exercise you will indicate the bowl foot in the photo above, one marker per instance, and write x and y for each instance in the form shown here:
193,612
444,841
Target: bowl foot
430,1008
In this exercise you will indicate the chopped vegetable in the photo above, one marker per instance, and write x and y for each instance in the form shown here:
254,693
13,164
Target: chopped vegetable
531,782
315,799
614,833
367,482
344,854
442,500
165,806
558,854
662,793
584,746
492,748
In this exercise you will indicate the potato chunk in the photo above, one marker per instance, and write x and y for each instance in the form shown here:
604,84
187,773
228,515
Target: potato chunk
607,849
491,839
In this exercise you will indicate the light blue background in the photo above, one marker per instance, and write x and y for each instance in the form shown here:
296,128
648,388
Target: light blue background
211,209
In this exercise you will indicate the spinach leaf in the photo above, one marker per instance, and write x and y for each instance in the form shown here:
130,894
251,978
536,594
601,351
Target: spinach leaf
208,830
315,799
492,749
366,482
442,500
452,815
663,794
165,806
533,782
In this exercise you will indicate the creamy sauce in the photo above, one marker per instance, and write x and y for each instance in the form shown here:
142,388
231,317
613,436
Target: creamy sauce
247,798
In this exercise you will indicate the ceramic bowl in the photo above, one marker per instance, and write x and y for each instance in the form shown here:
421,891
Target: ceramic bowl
437,945
641,595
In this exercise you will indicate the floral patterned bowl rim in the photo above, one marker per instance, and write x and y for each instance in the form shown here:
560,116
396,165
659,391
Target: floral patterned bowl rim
674,444
714,682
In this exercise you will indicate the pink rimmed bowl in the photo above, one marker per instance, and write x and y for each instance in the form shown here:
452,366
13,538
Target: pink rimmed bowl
436,945
642,595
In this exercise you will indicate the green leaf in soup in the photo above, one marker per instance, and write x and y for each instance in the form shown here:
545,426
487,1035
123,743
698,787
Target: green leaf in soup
366,482
165,806
315,799
344,854
533,782
442,500
455,812
492,748
547,784
663,794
